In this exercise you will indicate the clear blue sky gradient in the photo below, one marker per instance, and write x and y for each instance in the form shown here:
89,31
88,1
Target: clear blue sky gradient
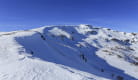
119,15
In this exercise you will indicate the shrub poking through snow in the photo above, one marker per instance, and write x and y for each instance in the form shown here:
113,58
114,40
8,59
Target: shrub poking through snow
109,35
72,38
108,29
135,63
120,78
107,40
113,75
43,37
119,56
123,42
102,70
136,58
62,37
134,34
105,51
93,32
31,52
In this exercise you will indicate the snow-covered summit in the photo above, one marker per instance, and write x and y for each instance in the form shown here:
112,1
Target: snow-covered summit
79,52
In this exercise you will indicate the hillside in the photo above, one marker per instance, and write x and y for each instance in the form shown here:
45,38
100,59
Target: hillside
79,52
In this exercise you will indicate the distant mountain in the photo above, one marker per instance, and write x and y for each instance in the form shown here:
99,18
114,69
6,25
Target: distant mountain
79,52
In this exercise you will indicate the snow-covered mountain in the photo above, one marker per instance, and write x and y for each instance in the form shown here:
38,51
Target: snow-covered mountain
79,52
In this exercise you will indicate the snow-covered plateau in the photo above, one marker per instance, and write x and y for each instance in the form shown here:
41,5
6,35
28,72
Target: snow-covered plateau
79,52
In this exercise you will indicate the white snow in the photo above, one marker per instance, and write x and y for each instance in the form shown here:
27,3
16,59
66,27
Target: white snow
59,32
68,53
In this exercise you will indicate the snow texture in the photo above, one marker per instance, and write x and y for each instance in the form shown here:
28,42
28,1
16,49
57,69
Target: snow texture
81,52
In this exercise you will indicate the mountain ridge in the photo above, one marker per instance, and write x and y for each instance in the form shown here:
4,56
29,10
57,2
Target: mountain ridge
79,52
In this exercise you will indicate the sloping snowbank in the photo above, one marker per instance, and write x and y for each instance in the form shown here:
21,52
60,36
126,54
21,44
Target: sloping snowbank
68,53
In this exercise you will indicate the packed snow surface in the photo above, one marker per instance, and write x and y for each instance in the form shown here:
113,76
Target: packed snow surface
79,52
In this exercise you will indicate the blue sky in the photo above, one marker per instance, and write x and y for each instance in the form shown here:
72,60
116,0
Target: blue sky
119,15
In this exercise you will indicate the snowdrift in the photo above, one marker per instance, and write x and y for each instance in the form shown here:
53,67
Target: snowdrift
79,52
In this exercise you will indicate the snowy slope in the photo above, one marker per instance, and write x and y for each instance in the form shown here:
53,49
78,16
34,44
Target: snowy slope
79,52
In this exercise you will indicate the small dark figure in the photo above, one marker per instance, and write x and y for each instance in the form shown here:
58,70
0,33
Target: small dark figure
43,37
102,70
83,57
32,52
72,32
72,38
112,75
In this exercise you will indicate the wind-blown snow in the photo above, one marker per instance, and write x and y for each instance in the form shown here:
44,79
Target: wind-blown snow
79,52
59,32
